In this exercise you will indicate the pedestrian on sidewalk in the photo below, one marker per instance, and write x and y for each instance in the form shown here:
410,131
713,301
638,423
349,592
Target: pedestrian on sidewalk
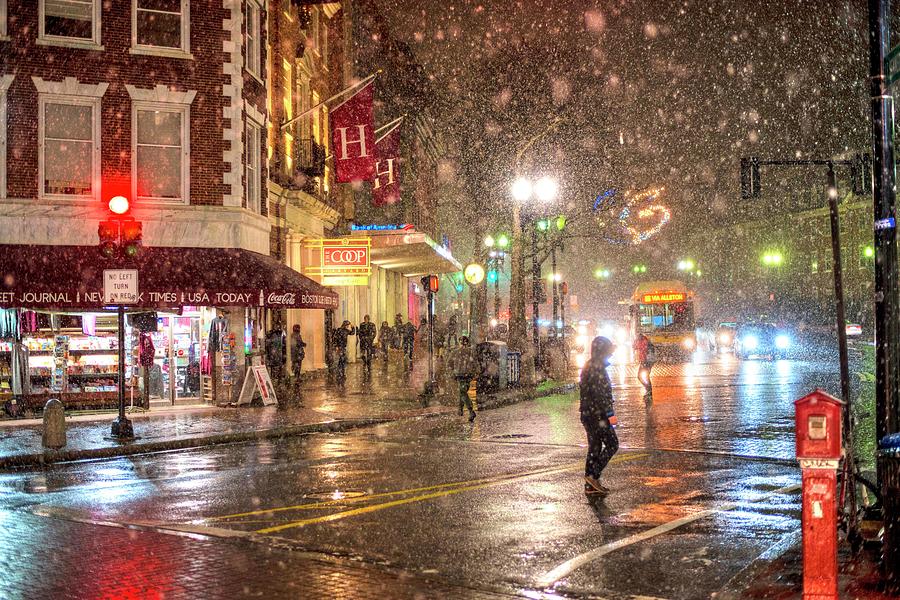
597,415
399,328
452,327
385,339
298,351
409,340
366,339
339,341
645,352
464,368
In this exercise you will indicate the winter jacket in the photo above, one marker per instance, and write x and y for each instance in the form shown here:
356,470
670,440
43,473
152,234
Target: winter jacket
298,346
341,335
366,334
596,390
463,363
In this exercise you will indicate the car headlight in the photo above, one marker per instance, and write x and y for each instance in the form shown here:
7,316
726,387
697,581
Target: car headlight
724,338
782,342
689,343
750,342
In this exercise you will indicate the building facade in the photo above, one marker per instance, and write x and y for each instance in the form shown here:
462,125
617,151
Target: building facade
781,266
165,104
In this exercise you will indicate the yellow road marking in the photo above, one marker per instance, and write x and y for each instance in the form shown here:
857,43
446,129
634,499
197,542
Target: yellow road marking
355,499
429,496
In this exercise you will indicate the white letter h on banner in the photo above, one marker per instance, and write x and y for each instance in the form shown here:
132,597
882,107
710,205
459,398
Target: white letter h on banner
389,172
345,142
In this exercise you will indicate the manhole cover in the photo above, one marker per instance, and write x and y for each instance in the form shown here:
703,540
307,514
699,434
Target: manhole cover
507,436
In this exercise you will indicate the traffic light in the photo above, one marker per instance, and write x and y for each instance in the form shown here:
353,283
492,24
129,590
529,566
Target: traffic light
108,231
502,240
430,283
543,225
492,276
860,175
132,238
750,178
120,235
561,222
639,269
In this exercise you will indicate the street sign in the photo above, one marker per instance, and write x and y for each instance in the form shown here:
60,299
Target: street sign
120,286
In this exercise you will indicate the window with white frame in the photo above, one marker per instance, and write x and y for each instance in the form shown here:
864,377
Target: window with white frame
69,138
72,20
161,24
161,165
253,37
252,152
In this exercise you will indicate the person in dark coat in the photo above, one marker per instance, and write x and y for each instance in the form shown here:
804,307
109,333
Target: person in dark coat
597,415
298,351
464,367
385,339
339,342
409,339
366,337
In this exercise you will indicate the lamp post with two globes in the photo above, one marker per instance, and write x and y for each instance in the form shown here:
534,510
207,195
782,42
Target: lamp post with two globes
537,193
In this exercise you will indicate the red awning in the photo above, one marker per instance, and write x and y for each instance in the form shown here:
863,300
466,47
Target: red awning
71,277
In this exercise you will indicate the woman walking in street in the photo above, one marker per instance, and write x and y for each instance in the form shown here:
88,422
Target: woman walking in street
598,415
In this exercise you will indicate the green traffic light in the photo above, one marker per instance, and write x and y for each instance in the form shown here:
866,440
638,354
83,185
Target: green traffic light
561,222
869,252
502,240
543,225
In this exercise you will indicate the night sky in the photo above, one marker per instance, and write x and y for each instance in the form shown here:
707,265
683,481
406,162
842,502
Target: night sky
630,95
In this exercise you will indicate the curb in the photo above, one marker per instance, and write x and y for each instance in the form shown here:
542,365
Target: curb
52,456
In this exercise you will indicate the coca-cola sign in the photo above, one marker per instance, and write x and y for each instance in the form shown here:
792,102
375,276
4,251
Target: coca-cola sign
285,299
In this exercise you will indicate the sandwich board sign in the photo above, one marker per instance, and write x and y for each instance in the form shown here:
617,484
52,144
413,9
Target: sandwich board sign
258,381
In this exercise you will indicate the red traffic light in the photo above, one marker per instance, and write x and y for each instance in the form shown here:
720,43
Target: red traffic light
132,237
108,232
119,205
430,283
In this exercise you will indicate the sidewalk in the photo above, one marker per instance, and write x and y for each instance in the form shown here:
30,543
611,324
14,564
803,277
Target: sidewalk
782,578
390,394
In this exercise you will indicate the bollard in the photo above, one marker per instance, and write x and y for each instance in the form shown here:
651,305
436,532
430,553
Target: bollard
54,425
818,432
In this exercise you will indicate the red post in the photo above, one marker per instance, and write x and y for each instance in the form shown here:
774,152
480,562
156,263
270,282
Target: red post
818,429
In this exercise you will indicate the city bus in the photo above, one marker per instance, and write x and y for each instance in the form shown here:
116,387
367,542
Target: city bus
664,312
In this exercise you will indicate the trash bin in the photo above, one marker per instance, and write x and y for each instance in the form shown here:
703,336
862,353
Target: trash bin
492,367
889,466
513,368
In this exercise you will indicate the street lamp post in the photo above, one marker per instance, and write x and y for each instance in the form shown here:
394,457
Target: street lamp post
555,290
544,190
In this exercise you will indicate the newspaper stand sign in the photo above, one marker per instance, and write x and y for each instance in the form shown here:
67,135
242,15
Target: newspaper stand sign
258,379
120,286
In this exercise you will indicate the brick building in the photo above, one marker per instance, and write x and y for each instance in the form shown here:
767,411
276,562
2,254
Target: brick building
738,283
166,104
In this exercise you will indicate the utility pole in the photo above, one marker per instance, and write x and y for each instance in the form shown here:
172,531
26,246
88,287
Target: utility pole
535,291
884,196
555,291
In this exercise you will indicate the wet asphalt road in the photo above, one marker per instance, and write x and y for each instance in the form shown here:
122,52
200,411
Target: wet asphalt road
705,483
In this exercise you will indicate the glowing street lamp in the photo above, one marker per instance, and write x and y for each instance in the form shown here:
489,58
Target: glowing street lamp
601,273
773,259
521,190
489,241
546,189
